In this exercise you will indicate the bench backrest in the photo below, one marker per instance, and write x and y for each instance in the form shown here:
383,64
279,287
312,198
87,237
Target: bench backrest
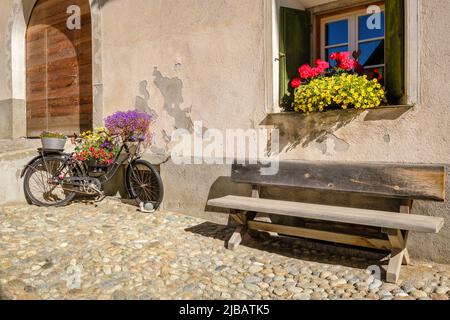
403,181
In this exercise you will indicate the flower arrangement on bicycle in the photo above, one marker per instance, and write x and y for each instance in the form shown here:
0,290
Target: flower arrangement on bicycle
131,126
102,145
97,146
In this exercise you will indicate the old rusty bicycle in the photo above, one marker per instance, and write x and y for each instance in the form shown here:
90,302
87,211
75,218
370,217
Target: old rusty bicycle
54,178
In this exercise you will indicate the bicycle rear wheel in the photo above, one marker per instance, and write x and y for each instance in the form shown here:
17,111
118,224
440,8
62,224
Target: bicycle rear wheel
43,188
144,183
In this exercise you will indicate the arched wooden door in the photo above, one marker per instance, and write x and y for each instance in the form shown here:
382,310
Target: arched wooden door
59,68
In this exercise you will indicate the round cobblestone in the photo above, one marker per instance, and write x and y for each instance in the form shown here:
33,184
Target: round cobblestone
111,251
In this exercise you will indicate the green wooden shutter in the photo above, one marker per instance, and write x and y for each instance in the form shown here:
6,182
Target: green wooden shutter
395,50
295,49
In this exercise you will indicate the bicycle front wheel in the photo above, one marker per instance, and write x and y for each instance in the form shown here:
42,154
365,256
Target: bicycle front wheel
44,182
144,183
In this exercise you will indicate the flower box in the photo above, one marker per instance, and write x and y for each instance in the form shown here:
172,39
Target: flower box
347,85
94,167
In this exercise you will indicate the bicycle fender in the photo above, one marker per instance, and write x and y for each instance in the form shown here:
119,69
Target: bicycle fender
30,163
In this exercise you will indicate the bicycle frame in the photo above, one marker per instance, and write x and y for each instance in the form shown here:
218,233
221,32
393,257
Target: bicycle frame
69,161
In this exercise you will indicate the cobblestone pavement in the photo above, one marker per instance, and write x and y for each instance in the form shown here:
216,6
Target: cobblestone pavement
114,252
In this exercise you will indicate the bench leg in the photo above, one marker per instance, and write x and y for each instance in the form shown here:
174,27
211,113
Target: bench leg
395,265
238,236
399,255
398,240
261,217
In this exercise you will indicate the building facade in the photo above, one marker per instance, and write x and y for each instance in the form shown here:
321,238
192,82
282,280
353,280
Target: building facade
221,64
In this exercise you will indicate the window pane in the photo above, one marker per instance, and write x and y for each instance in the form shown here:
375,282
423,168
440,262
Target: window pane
336,33
369,28
328,52
372,53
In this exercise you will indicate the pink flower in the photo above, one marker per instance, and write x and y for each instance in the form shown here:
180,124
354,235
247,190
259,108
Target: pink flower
295,83
347,64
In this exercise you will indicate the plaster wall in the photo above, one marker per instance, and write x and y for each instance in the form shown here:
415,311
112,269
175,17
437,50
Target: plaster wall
203,62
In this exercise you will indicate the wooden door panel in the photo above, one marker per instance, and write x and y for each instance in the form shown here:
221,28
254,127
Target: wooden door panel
59,69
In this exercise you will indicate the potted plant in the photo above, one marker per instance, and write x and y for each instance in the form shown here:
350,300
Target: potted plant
53,141
345,86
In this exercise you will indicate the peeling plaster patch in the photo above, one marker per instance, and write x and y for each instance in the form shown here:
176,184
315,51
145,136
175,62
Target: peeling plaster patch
142,104
172,92
331,142
143,90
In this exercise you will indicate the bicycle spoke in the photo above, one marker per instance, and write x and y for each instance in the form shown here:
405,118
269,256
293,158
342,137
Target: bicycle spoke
44,184
145,184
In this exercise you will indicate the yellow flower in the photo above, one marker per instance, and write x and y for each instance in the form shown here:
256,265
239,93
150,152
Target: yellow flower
344,90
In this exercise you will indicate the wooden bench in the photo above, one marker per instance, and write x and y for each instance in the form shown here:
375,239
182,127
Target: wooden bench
406,182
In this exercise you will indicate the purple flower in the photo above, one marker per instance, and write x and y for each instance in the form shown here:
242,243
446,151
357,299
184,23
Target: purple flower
131,125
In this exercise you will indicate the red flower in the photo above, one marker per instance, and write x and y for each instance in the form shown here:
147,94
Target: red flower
295,83
344,55
316,71
347,64
344,61
305,71
334,56
322,64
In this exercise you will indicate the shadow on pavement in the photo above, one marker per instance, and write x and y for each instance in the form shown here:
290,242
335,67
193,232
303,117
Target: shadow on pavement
296,248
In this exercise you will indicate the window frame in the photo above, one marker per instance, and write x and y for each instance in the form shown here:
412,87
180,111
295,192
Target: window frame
352,15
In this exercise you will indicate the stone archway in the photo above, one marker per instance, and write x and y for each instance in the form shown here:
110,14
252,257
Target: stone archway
16,69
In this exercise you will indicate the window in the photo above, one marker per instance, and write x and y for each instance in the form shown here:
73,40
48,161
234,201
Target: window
353,31
350,30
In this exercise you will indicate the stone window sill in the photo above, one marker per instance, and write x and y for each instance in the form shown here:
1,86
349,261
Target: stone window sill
302,129
391,112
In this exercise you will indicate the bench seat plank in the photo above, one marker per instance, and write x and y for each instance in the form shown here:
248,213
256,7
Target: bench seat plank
364,217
